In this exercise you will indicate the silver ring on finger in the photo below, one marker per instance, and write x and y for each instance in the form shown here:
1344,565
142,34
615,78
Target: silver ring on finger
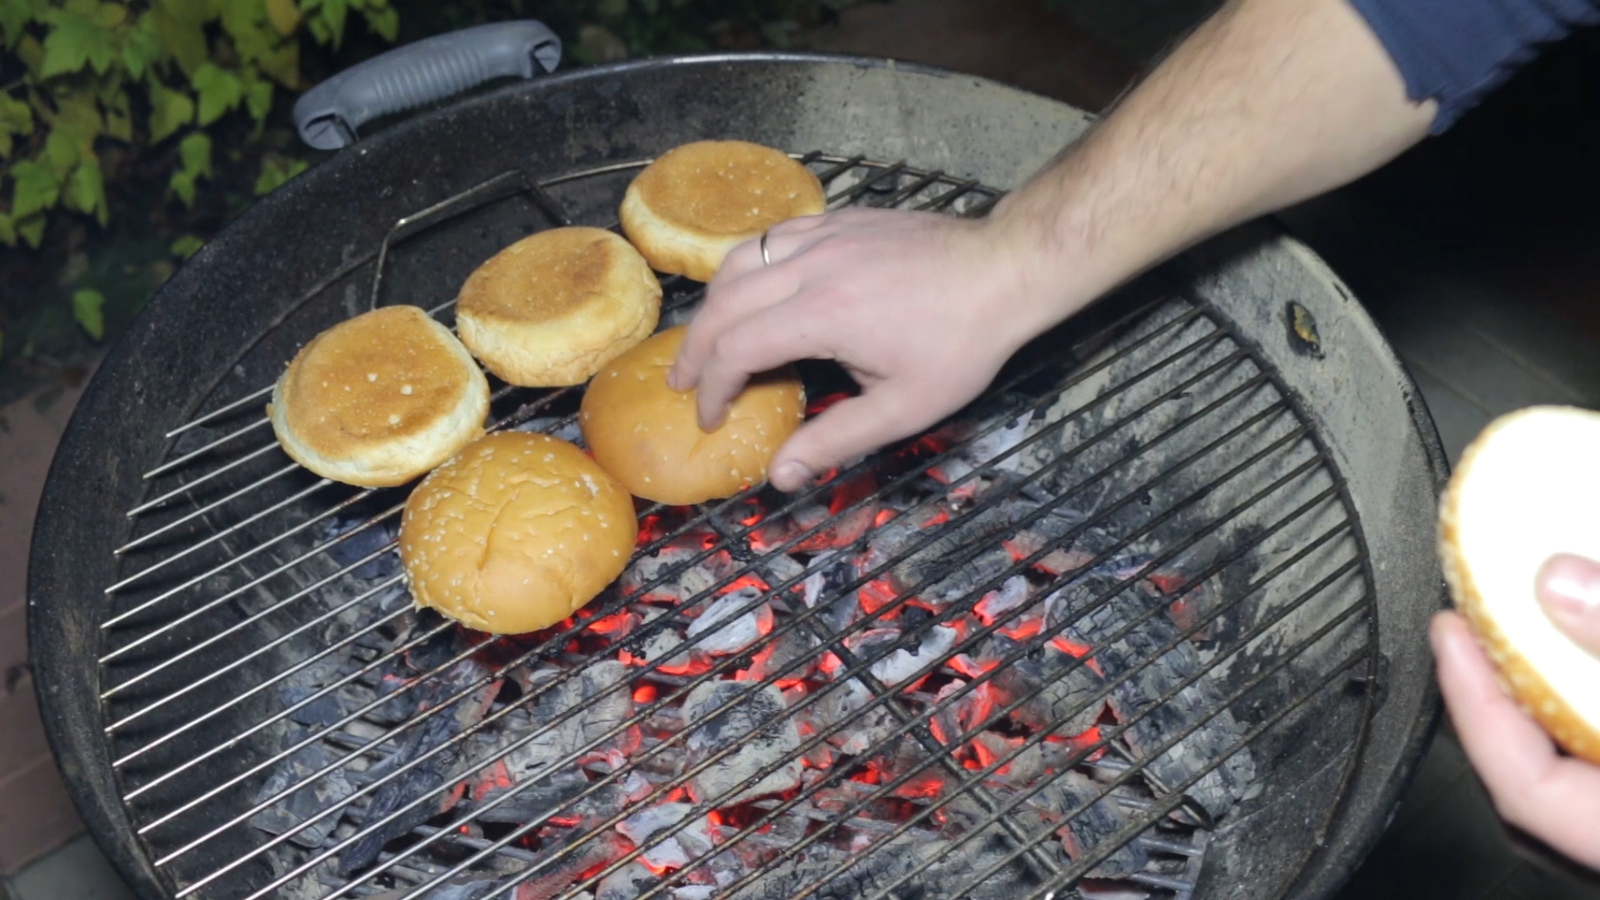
766,258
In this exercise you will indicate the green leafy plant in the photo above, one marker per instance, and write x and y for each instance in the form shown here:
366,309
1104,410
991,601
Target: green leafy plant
145,76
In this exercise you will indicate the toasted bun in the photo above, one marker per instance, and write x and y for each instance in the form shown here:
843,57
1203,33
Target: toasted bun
379,399
515,534
645,433
687,209
1525,490
553,308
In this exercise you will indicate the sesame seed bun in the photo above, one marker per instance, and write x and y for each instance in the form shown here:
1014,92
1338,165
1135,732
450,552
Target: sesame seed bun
515,534
554,307
645,433
695,203
379,399
1525,490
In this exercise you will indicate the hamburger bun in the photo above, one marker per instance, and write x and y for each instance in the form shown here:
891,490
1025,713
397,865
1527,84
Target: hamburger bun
515,534
554,307
1524,491
645,433
379,399
695,203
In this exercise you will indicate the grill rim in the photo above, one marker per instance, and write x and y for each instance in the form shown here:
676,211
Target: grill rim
64,700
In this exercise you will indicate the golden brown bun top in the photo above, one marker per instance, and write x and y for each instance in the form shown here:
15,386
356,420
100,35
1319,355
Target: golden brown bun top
545,275
646,434
381,375
515,533
728,187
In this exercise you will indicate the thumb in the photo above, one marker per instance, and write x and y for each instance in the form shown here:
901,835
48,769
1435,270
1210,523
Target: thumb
1569,590
848,429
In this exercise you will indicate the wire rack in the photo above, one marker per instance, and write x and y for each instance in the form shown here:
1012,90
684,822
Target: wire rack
1163,429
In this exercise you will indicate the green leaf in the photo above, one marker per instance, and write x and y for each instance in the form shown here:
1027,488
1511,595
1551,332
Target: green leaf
15,119
88,308
78,120
245,21
8,230
74,40
34,188
333,12
118,119
187,246
612,9
169,111
219,89
31,52
275,171
60,152
110,15
141,49
194,152
283,15
385,21
31,229
180,36
86,190
282,65
258,98
14,16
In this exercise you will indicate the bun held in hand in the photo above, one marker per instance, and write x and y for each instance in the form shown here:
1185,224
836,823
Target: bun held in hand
515,534
645,433
1527,489
696,202
379,399
551,309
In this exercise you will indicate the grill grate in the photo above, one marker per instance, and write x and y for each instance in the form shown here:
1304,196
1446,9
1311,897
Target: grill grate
1158,450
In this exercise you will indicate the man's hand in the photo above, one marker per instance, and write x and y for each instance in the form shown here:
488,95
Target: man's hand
921,309
1552,797
1269,102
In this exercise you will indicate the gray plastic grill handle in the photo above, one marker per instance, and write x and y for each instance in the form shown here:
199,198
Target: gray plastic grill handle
328,115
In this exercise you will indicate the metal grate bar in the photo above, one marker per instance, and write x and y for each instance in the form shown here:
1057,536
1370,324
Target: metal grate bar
838,640
170,465
219,412
188,486
164,629
1081,755
815,491
862,580
969,781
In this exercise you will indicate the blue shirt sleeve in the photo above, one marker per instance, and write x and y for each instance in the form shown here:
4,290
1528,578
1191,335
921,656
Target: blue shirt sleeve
1457,51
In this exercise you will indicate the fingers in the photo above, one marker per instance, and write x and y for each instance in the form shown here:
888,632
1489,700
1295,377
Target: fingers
727,303
758,343
848,429
1555,799
1504,745
1569,590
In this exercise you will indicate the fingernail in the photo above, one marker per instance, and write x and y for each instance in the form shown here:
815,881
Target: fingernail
791,476
1569,587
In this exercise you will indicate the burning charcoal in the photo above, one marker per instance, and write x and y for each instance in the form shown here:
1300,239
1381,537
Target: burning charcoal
605,707
325,710
694,892
1087,830
321,795
843,703
429,778
744,724
400,703
668,576
829,574
1059,693
942,870
981,451
435,651
660,643
913,653
365,540
671,853
1225,784
722,630
627,883
454,890
536,798
561,865
564,427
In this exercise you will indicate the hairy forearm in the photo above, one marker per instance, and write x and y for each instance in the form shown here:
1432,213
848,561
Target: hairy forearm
1268,103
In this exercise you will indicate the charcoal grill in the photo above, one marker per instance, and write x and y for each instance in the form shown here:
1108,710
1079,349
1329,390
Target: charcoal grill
1146,620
